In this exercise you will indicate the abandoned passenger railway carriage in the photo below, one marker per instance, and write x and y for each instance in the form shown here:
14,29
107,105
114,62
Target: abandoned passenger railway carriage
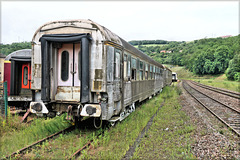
17,74
82,68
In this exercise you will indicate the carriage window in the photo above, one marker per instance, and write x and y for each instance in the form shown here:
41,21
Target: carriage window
117,65
134,63
153,77
161,72
141,71
157,73
64,65
146,71
134,68
125,67
150,74
25,74
129,67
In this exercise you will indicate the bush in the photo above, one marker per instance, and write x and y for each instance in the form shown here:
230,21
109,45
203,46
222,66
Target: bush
237,76
233,71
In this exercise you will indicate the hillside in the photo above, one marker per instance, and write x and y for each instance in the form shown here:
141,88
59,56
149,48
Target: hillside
205,56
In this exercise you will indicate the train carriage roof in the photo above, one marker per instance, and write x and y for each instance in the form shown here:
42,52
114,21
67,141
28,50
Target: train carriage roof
91,25
167,68
20,55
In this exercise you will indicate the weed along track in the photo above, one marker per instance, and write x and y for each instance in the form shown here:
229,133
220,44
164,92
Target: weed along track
131,150
27,148
228,115
76,154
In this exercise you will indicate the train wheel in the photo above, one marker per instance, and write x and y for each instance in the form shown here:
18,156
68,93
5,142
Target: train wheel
97,122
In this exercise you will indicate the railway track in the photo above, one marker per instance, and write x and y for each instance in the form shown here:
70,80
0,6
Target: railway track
226,114
218,90
76,154
131,149
29,147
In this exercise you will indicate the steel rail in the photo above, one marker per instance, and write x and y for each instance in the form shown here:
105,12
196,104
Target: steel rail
219,90
216,100
78,152
20,151
228,125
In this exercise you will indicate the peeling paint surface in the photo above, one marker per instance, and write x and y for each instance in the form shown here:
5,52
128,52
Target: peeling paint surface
66,93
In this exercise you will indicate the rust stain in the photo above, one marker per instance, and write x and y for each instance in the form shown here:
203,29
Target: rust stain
97,85
59,89
98,73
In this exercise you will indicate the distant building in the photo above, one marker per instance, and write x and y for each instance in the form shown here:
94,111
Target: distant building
226,36
169,51
180,51
163,51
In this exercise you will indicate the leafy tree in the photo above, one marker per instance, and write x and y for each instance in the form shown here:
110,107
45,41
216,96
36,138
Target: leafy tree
9,48
222,58
233,71
204,56
198,66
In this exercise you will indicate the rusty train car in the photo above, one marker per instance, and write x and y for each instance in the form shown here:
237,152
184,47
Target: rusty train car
17,74
84,69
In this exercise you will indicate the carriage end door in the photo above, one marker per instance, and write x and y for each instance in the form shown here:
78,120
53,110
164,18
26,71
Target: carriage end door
68,88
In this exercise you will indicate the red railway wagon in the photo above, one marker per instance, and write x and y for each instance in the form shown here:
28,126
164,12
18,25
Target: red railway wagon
7,75
17,72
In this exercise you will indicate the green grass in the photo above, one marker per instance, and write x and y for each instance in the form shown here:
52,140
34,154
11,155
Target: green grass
63,146
14,139
116,142
170,135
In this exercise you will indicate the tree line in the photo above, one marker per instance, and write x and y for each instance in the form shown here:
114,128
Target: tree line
204,56
6,49
146,42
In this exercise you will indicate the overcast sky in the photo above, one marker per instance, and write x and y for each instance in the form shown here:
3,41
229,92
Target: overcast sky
131,20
